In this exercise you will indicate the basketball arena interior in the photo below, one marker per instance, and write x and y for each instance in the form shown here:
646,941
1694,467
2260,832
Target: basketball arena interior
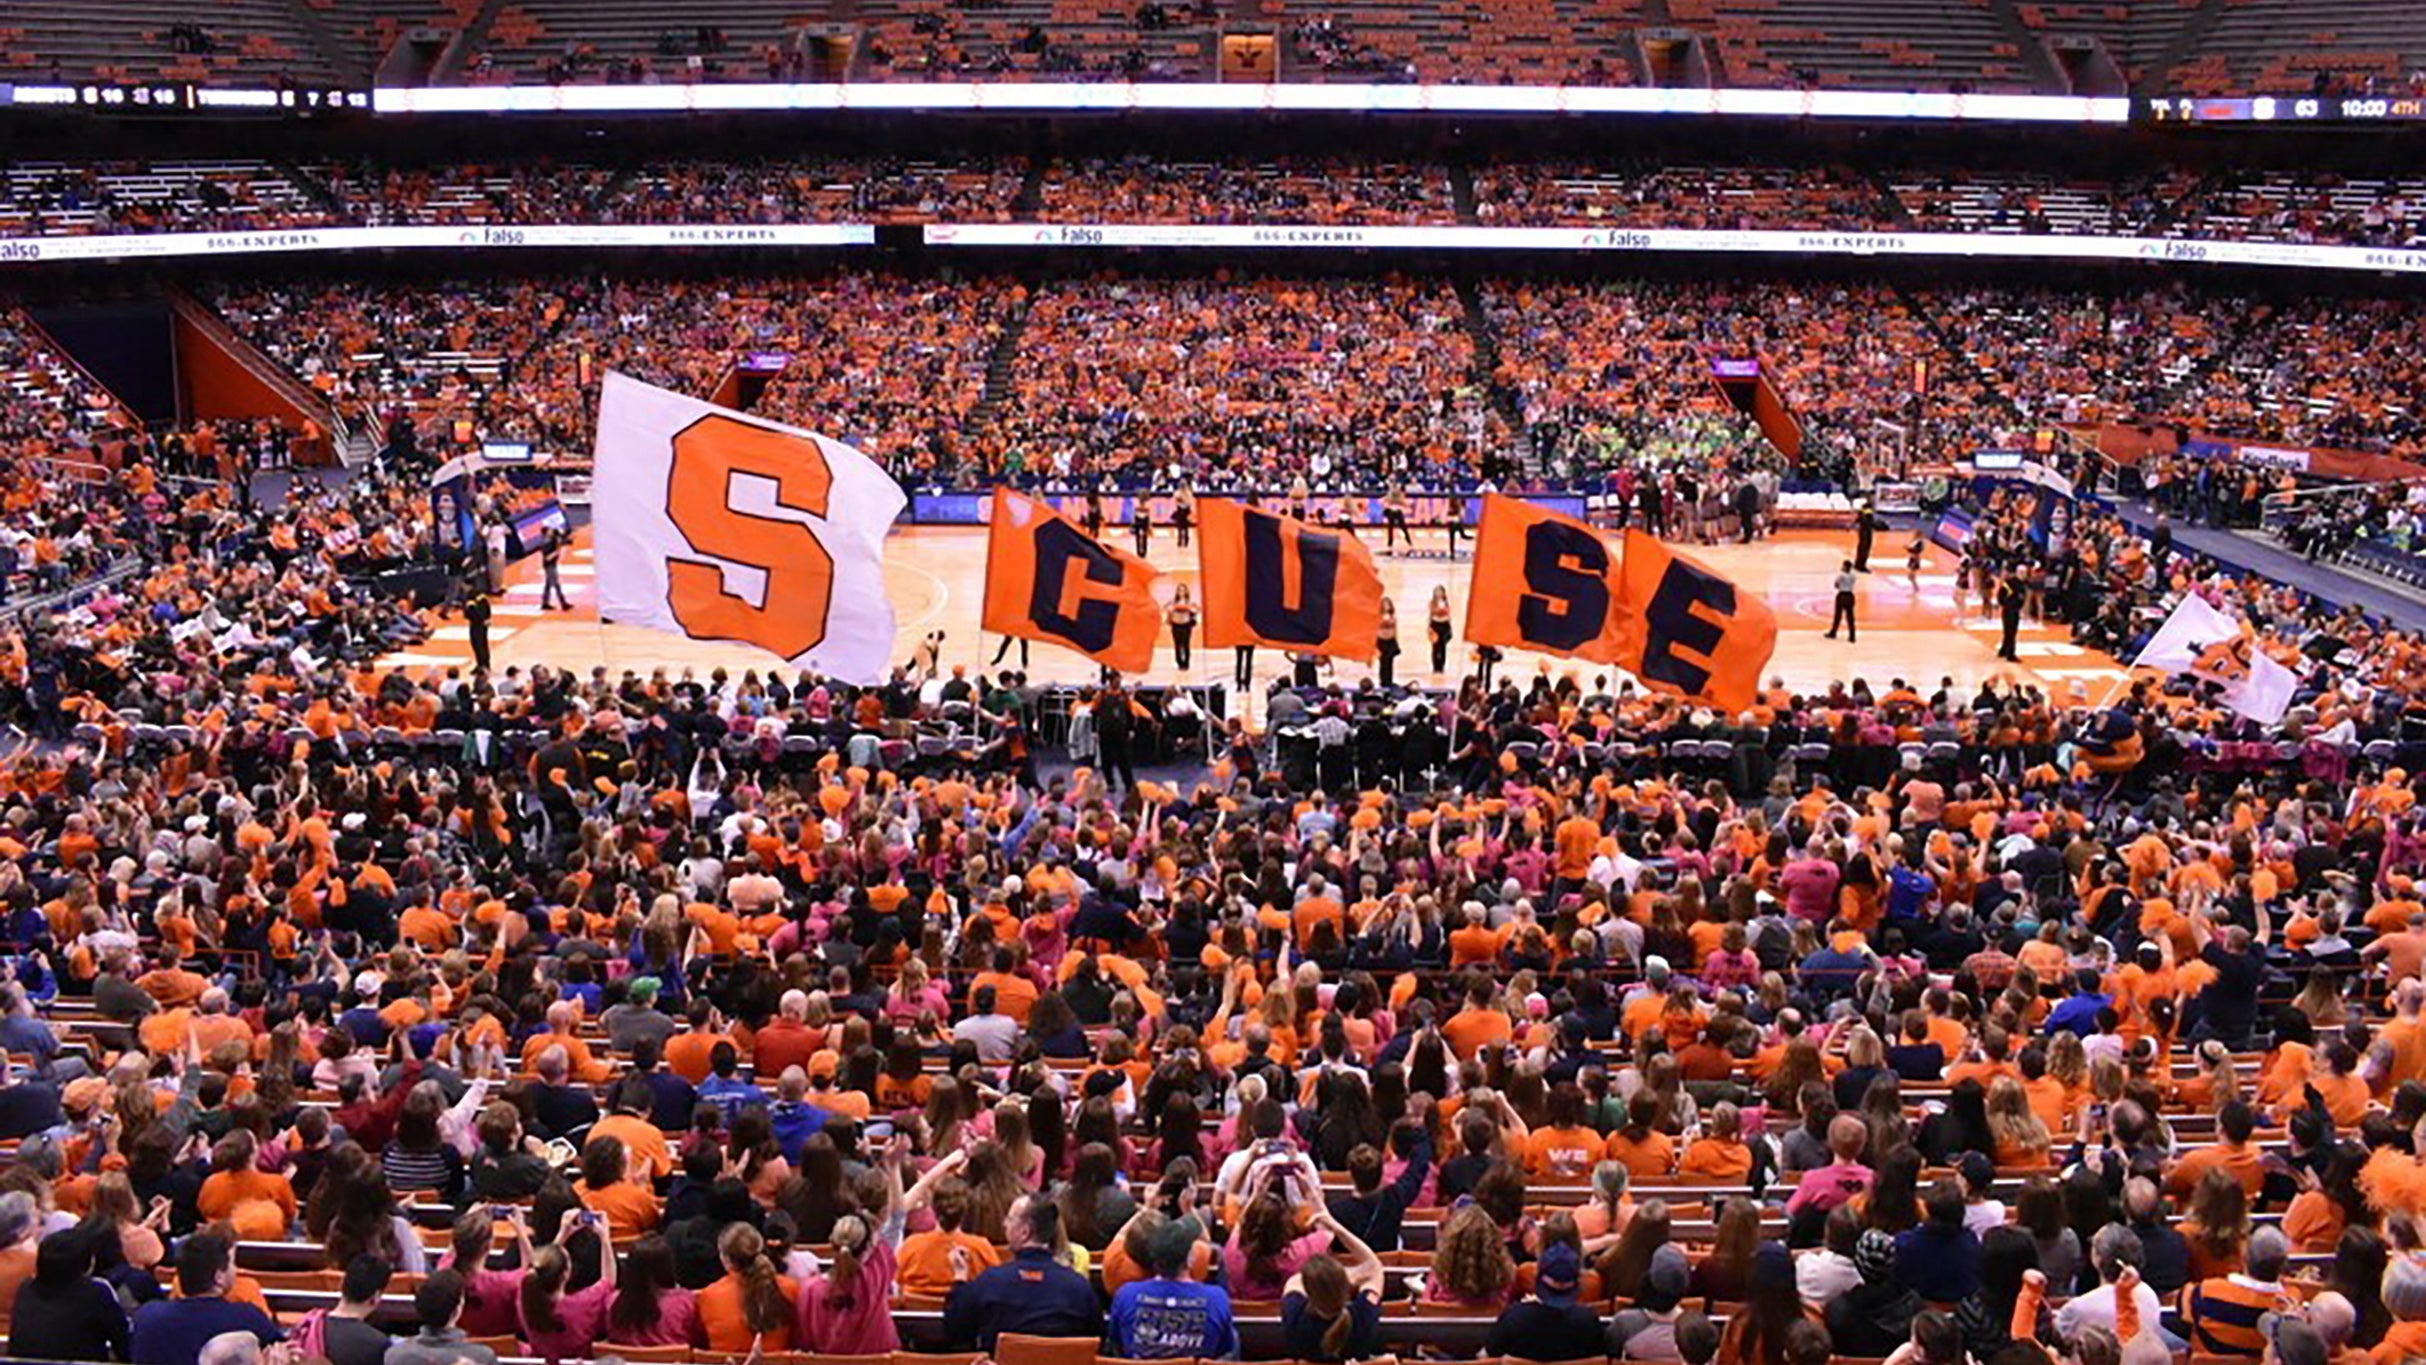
1072,682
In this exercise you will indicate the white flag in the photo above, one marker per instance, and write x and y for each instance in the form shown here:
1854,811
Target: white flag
2209,644
718,525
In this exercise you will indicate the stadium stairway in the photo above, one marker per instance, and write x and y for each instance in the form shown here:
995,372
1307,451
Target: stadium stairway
1952,346
313,21
225,375
999,360
2186,40
2041,65
1461,192
1486,364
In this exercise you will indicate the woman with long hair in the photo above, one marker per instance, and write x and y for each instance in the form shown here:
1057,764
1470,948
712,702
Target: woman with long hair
2039,1211
754,1155
1265,1249
1094,1201
1179,1135
1343,1120
2359,1261
994,1186
2007,1254
2317,1215
1883,1112
1893,1205
650,1308
488,1295
556,1325
1624,1264
1014,1134
752,1307
1331,1310
2216,1224
1471,1267
1798,1067
1757,1335
115,1213
951,1105
418,1157
1962,1126
848,1309
1607,1209
352,1213
2020,1137
1725,1272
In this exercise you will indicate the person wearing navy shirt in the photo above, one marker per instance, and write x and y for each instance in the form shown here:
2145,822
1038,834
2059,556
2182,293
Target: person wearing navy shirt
1031,1293
173,1331
672,1100
1940,1259
2077,1014
1171,1316
1909,888
1832,970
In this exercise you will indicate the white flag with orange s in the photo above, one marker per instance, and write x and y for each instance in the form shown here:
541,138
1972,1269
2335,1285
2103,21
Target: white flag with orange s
717,525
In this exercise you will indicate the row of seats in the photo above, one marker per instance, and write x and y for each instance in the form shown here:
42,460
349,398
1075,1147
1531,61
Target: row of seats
1874,44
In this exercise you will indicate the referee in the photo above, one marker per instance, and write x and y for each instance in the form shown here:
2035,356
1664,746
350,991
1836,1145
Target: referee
1844,604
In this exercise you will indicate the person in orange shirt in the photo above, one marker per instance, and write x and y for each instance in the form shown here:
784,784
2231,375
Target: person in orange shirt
629,1124
1719,1155
234,1181
607,1188
1316,906
691,1054
1480,1024
1639,1146
1014,992
1566,1148
564,1023
1476,944
751,1308
2232,1153
930,1263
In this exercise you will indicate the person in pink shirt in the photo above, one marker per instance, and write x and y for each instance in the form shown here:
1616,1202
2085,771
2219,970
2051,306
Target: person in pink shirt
488,1295
1810,886
650,1307
1824,1187
848,1310
555,1325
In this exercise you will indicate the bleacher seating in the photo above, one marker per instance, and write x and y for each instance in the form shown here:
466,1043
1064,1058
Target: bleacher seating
2284,46
1873,44
58,197
223,42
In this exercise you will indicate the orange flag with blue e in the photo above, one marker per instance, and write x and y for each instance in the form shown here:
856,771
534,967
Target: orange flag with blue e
1687,631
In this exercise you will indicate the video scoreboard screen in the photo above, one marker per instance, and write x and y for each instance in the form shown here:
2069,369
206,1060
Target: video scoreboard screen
2286,108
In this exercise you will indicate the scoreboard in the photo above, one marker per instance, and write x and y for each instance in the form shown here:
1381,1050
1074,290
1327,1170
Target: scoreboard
2285,108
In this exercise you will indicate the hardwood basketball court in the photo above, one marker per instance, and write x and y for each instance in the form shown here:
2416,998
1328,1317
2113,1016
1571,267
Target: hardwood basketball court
936,578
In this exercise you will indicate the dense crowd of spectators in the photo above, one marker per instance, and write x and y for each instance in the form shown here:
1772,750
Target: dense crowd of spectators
1484,1006
1340,382
1305,190
62,198
818,192
1721,197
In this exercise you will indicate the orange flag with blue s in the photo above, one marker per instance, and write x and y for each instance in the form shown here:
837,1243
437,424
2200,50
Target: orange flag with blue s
1048,580
1542,582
